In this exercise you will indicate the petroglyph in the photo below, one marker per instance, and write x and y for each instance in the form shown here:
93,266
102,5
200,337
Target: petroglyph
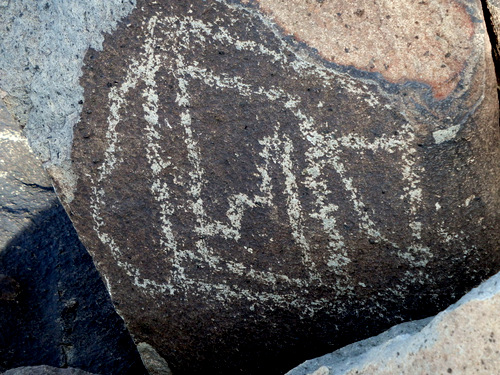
254,185
301,176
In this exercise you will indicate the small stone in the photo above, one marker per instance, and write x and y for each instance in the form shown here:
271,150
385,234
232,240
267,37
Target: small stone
226,166
45,370
9,288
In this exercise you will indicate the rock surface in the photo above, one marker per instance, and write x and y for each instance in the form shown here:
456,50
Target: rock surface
492,12
463,339
25,188
42,44
54,308
45,370
154,363
255,188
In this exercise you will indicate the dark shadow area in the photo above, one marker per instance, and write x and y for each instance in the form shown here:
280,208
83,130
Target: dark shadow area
54,308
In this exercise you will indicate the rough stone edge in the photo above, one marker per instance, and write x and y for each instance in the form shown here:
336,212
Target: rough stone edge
40,82
406,337
154,362
44,369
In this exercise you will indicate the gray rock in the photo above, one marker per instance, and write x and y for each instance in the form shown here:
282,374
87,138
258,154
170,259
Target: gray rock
155,364
45,370
54,308
259,181
42,44
462,340
492,15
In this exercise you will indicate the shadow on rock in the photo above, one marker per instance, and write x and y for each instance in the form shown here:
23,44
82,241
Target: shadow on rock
54,308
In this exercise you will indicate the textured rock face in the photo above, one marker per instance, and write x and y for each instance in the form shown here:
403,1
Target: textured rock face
54,308
45,370
403,41
492,13
25,189
42,45
255,192
462,340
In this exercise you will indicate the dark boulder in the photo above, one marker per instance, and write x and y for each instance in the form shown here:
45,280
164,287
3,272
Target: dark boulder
261,181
